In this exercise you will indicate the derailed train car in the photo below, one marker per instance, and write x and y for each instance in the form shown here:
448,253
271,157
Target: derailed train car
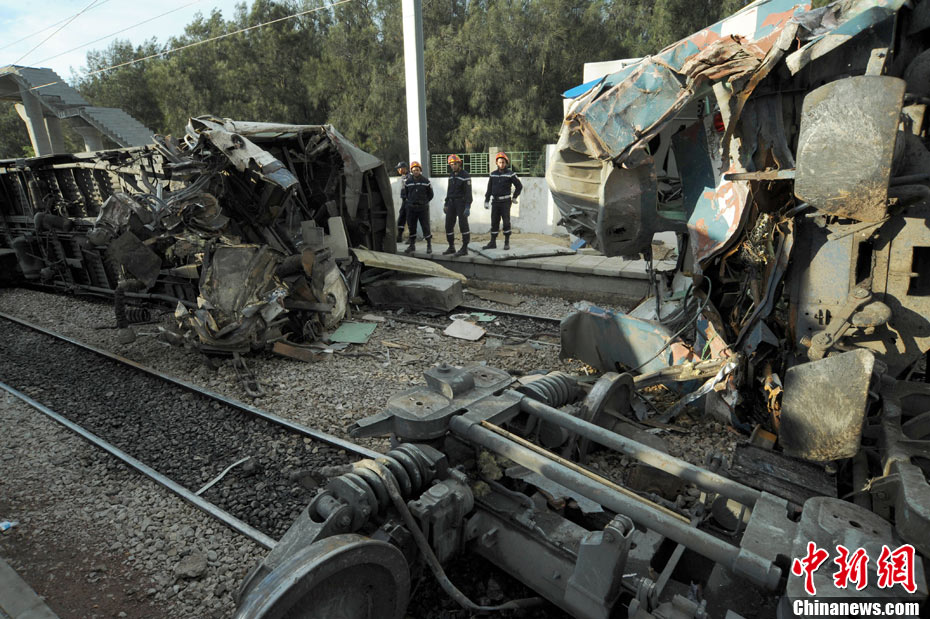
243,225
797,312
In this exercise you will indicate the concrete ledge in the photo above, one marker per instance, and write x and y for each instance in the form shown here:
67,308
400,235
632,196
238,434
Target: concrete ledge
541,275
18,600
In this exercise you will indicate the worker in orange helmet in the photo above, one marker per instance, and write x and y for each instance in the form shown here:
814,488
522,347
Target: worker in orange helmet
457,206
402,213
498,198
416,194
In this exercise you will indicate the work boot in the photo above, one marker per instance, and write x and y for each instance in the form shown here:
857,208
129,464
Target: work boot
463,251
449,250
412,247
506,242
492,244
429,247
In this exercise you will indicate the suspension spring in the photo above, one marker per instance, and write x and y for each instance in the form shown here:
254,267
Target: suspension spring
136,315
413,466
554,389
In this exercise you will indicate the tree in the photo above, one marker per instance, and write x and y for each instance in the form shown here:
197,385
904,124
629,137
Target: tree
14,138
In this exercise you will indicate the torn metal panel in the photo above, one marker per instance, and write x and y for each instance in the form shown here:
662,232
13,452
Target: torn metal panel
242,153
824,406
630,103
405,264
609,340
856,184
240,297
833,26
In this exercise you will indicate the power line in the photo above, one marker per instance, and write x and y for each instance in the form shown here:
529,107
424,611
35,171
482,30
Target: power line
217,38
113,34
168,52
29,36
73,17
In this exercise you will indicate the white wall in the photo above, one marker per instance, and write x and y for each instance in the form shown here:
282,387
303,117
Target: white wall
535,213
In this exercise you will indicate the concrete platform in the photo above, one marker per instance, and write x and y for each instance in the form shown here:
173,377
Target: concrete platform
18,600
577,273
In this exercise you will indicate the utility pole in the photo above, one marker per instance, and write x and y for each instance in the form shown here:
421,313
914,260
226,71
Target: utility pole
416,88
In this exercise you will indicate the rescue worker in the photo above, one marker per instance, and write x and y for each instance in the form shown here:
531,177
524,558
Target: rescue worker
498,198
457,206
402,213
416,194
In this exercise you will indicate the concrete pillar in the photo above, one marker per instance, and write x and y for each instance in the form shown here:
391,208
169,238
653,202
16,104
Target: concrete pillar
30,110
92,139
415,79
56,138
492,157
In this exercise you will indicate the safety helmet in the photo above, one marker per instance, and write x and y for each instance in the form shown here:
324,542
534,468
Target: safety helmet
502,155
453,159
400,164
415,164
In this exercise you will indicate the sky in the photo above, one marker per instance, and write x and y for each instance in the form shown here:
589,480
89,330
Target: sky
34,21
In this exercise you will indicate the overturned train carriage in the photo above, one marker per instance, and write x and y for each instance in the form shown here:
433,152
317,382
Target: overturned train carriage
207,221
787,147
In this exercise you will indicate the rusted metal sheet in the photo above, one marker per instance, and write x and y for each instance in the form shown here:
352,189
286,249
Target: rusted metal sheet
611,341
859,118
824,406
628,106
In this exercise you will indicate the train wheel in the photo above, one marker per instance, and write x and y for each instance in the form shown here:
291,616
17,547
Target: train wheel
340,577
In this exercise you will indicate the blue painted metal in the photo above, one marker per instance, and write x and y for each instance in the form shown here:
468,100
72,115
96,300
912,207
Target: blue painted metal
640,95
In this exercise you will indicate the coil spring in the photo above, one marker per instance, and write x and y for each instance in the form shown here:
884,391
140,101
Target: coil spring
555,389
412,466
138,314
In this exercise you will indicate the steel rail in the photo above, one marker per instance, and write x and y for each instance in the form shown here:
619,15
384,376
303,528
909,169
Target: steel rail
205,506
242,406
475,308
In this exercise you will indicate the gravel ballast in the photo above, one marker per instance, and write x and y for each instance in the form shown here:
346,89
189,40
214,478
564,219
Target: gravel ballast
141,533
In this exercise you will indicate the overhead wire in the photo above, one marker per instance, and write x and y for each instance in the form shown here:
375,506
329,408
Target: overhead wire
49,27
168,52
65,25
113,34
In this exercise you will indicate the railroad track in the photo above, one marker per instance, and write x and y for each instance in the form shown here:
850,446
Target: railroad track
249,469
187,438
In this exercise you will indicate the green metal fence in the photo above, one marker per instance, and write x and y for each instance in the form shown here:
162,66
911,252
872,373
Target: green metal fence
528,162
523,162
475,164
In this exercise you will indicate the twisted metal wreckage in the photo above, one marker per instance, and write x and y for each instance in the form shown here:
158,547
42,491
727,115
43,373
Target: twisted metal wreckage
246,226
786,147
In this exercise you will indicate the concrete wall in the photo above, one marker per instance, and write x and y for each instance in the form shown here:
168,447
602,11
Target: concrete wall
535,213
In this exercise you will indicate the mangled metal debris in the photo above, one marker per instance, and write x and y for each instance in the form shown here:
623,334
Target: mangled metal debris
797,315
488,465
246,227
791,145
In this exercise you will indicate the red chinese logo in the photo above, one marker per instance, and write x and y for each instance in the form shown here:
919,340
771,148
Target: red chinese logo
852,568
894,567
808,565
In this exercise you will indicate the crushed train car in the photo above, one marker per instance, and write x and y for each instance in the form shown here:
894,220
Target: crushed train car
797,311
245,226
800,194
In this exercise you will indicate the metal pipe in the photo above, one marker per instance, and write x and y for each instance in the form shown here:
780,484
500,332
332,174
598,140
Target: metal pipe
580,470
225,517
653,457
142,295
739,560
